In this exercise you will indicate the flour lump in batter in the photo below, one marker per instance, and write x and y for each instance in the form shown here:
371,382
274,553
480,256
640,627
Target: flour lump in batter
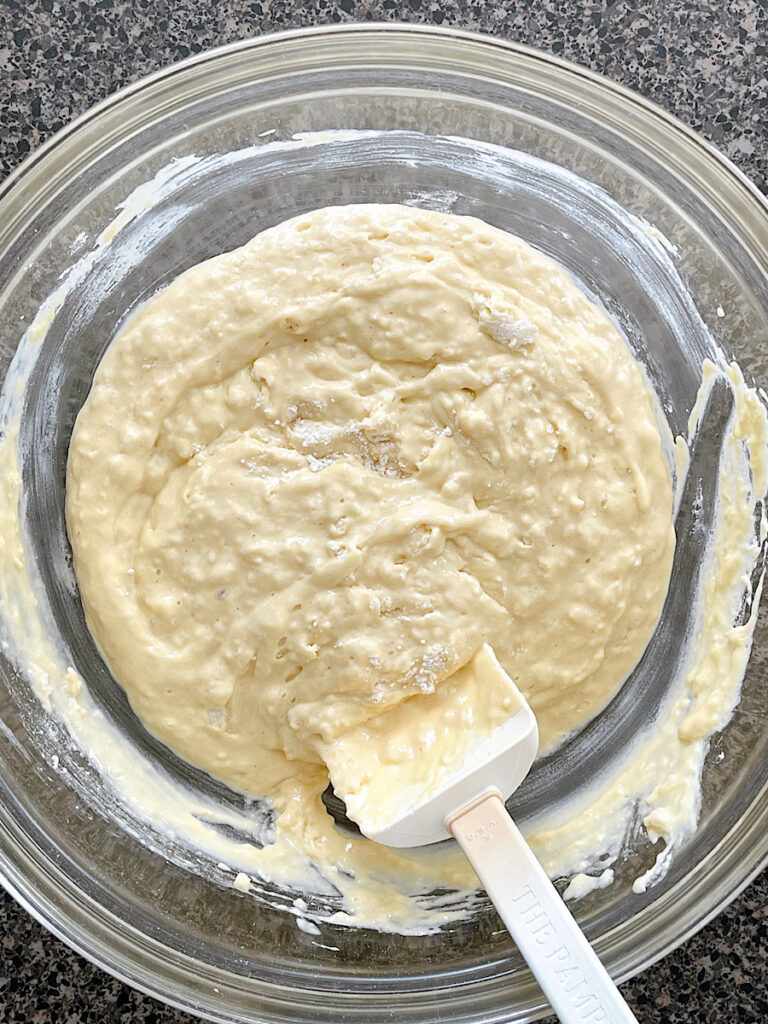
316,474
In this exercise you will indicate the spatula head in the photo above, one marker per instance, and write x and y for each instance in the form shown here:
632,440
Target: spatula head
404,773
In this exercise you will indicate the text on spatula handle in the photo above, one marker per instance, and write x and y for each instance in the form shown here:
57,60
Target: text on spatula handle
570,975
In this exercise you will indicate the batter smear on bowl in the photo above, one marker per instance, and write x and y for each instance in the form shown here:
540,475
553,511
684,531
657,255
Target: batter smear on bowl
316,474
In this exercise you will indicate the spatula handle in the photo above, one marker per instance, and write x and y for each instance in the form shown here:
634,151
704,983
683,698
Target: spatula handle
565,965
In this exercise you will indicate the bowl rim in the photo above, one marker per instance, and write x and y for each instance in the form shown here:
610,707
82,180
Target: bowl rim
20,873
394,28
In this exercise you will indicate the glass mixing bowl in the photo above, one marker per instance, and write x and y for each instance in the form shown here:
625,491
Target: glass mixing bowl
224,137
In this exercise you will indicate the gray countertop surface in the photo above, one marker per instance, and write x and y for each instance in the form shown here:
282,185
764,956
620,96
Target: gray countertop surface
703,61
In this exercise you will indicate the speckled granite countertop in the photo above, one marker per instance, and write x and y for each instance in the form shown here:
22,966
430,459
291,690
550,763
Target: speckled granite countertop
704,61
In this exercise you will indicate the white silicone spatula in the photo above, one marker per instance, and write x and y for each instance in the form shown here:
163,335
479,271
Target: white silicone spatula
465,799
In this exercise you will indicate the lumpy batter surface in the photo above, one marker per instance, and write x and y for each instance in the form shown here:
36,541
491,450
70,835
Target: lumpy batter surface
314,475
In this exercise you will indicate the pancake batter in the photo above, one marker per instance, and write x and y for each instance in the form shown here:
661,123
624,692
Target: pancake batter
314,475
